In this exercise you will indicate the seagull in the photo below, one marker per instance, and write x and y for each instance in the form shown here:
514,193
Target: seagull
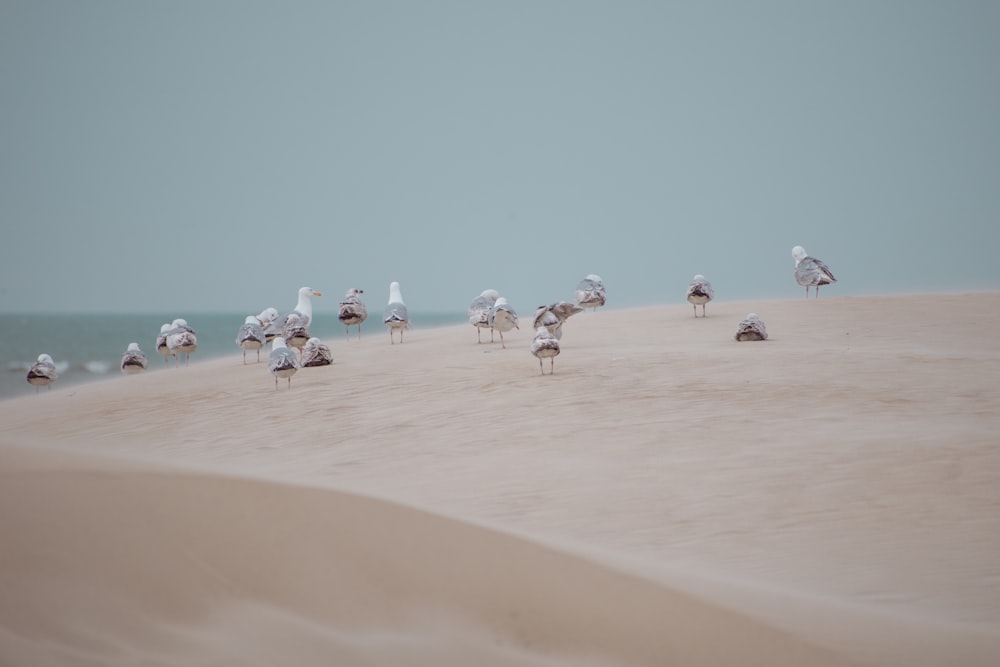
161,343
133,361
545,345
42,373
315,353
295,331
751,328
502,318
699,292
395,314
552,317
352,311
251,336
264,319
294,327
590,292
479,312
283,362
181,338
810,271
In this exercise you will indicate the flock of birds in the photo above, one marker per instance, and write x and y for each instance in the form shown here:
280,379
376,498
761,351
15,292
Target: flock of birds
292,346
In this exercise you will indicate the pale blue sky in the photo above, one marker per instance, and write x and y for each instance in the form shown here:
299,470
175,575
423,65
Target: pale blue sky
188,156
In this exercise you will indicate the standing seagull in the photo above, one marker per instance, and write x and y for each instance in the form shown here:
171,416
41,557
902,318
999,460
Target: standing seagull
810,271
699,293
751,328
283,362
552,317
181,339
502,318
395,314
42,373
545,345
265,318
352,311
296,323
251,336
590,292
479,312
133,361
161,343
315,353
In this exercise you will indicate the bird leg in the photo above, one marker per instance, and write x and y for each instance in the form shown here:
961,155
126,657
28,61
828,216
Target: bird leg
501,341
552,365
540,367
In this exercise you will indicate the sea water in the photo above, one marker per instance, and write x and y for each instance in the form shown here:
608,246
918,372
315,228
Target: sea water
90,346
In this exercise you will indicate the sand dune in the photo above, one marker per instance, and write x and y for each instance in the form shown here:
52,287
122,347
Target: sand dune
669,496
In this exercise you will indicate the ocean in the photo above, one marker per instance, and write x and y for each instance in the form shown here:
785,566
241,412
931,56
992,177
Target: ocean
89,347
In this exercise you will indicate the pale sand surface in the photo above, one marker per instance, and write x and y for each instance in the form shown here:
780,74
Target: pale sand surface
669,496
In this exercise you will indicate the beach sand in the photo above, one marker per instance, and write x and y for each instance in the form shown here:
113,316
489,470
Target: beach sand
830,496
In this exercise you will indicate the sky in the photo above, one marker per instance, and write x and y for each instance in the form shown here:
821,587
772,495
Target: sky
191,156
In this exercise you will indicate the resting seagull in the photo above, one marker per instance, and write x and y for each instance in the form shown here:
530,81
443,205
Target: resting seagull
751,328
42,373
283,362
395,314
502,318
479,312
811,271
552,317
352,311
133,361
545,346
590,292
315,353
699,292
251,336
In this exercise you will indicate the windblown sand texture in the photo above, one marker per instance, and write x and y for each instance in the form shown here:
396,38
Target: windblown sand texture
669,496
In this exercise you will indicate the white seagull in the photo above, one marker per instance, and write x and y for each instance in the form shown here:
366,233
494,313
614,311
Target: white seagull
315,353
395,314
133,361
810,271
42,373
181,339
699,292
250,336
502,318
751,328
545,346
352,311
590,292
552,317
479,312
283,362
